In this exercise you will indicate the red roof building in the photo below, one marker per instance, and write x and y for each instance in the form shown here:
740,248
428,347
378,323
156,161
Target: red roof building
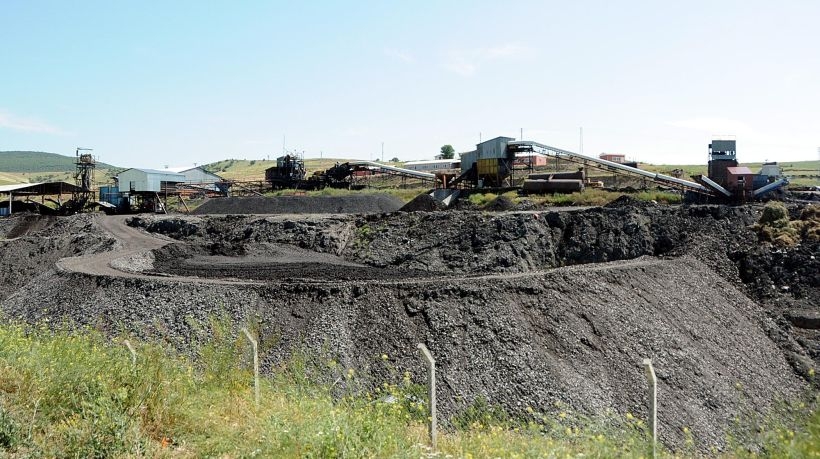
739,177
615,158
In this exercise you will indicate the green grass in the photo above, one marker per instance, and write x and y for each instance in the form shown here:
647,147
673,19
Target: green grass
588,197
76,394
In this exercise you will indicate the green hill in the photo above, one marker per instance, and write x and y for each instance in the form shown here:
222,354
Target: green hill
38,161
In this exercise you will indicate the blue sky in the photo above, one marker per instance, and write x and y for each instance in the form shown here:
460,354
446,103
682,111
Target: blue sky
149,84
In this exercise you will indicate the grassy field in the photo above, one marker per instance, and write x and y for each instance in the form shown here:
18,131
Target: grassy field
37,161
7,178
77,394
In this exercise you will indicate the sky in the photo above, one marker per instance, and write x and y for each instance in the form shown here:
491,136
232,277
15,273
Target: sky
154,84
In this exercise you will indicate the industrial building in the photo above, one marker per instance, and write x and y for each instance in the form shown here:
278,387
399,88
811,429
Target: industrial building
196,175
148,180
613,157
433,165
30,190
530,159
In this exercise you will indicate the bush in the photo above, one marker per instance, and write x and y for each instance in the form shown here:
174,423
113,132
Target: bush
9,430
774,225
775,215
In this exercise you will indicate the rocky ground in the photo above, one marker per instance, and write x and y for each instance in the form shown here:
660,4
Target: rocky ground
547,310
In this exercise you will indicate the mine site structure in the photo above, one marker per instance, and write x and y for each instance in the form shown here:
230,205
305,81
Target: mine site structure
491,165
290,173
729,181
147,190
86,164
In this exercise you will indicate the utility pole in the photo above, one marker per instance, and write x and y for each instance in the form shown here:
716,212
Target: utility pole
382,151
581,144
283,144
522,134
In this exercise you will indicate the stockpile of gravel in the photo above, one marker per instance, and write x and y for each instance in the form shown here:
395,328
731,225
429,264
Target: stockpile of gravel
351,204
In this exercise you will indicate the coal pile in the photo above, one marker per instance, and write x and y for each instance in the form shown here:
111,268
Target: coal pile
521,309
500,204
353,204
627,201
423,203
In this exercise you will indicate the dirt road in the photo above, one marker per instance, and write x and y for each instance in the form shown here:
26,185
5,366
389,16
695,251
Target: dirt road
131,258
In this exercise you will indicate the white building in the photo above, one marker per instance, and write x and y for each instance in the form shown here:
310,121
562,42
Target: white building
432,165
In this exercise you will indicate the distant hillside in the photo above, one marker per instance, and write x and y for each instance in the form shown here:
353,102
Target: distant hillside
38,161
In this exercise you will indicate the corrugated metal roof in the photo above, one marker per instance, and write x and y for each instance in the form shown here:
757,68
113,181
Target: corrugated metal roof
739,170
152,171
41,188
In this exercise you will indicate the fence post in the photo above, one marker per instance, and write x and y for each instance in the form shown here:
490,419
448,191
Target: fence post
432,392
653,403
133,352
255,364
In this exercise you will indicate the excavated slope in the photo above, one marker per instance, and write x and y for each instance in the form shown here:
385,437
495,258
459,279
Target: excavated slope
573,335
490,294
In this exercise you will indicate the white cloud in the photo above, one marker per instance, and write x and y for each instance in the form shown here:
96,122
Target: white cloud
400,55
25,124
467,62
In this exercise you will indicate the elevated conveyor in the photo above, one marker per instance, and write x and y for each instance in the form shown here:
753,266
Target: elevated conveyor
395,170
609,166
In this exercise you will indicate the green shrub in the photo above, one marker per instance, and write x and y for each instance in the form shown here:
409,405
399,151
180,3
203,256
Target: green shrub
80,396
9,430
774,225
775,215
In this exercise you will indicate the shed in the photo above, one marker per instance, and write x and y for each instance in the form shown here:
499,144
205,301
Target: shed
196,175
530,158
739,177
613,157
147,180
33,189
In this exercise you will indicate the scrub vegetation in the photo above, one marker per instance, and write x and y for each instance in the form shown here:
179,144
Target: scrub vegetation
67,393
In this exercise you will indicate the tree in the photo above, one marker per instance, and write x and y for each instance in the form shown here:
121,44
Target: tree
395,160
448,152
